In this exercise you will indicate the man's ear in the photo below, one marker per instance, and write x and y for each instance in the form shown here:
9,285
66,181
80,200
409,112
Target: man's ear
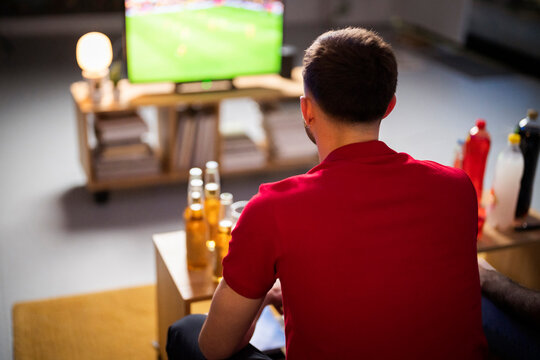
391,106
307,108
303,108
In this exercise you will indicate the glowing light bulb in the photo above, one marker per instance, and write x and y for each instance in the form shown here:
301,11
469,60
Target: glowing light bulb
94,54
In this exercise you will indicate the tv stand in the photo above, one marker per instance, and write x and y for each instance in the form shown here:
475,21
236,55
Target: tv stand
264,89
204,86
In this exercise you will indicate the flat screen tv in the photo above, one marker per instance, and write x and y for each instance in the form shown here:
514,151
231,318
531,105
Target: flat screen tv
200,40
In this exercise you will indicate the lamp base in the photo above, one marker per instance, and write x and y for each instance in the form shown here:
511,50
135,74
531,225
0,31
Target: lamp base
96,82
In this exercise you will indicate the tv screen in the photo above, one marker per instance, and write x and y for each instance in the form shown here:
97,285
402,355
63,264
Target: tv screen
198,40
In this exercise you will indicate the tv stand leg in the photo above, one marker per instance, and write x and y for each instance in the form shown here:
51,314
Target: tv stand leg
101,197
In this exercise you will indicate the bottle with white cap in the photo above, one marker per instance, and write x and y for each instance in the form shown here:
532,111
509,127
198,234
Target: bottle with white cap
211,200
195,184
194,173
505,189
211,174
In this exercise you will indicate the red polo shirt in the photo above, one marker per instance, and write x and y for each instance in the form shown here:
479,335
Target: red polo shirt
376,253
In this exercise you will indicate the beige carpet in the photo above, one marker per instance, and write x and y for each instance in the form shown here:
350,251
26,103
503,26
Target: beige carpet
118,324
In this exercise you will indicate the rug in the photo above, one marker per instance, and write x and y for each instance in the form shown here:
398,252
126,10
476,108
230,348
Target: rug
119,324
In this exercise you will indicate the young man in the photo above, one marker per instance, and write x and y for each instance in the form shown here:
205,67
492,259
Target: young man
375,251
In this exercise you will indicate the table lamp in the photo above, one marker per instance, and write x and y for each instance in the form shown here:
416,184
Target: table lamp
94,55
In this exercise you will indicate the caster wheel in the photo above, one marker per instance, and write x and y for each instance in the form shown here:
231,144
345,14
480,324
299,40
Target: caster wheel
101,197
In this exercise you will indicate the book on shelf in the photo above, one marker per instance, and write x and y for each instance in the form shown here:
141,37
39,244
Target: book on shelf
195,138
119,127
240,152
287,138
120,161
123,151
205,138
185,139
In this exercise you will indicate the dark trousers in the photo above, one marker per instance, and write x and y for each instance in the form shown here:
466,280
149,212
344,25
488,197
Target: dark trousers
183,341
508,336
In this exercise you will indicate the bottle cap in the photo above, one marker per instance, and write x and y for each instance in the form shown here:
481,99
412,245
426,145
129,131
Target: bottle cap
196,183
211,165
196,196
532,114
212,189
225,226
226,198
514,139
196,210
481,124
195,173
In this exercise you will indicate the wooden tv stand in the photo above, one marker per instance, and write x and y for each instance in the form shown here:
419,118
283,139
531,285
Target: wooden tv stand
265,88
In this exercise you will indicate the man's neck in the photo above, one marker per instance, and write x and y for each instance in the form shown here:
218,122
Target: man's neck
336,135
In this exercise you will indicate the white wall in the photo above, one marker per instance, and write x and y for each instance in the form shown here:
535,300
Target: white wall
366,12
304,11
449,18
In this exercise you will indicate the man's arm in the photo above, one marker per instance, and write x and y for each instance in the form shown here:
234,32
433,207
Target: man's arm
230,323
504,292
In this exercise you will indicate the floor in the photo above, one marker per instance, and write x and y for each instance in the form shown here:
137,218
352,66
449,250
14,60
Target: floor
54,240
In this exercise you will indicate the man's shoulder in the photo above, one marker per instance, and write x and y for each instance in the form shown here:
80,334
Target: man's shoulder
448,181
445,173
288,187
283,191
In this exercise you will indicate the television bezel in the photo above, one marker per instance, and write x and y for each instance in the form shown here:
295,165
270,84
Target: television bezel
126,62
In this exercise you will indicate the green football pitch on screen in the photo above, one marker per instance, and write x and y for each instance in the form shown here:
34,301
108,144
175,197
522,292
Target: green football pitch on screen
204,44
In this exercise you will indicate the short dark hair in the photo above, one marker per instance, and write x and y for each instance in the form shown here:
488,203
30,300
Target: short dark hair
351,73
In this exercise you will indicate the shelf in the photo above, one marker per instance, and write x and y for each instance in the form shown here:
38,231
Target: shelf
264,89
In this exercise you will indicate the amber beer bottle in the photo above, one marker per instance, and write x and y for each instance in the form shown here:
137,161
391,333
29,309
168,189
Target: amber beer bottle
211,211
194,186
197,253
195,183
211,201
223,235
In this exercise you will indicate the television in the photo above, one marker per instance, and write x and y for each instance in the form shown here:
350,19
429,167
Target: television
202,40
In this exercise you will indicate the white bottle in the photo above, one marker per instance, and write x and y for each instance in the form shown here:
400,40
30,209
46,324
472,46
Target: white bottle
506,183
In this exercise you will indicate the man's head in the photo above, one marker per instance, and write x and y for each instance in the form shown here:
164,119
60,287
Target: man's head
351,74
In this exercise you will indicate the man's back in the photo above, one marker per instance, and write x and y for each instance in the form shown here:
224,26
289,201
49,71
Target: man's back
375,252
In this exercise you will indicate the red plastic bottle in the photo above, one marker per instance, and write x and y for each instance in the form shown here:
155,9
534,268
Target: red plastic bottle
474,162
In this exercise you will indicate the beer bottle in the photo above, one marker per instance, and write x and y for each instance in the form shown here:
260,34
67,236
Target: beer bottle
195,185
211,174
223,235
196,250
195,173
211,201
211,211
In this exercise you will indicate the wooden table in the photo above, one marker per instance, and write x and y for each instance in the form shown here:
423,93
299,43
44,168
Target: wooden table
492,239
177,288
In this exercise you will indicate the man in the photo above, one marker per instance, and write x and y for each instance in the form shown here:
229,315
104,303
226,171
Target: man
375,251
